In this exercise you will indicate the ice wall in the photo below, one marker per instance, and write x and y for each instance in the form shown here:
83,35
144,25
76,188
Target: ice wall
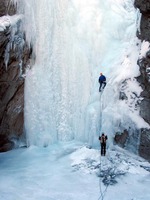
74,41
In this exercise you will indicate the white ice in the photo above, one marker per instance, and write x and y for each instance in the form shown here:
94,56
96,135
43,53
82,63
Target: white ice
73,42
145,46
71,172
7,21
4,22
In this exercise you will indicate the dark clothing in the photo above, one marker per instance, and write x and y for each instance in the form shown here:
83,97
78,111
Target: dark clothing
103,139
102,78
103,149
102,81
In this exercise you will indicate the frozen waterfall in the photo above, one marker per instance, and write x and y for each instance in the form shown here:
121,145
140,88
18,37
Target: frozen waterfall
73,41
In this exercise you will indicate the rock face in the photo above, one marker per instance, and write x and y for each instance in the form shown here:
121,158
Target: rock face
121,138
144,148
11,80
7,8
144,6
140,139
144,79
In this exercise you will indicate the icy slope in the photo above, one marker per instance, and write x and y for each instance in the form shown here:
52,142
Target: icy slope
71,172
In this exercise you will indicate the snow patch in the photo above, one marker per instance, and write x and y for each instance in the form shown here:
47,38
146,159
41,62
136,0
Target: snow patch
16,40
7,21
145,47
4,23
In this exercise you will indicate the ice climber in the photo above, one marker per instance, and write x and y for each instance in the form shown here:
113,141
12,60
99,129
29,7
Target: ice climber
102,81
103,139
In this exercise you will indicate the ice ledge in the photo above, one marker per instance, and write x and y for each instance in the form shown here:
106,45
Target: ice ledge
9,21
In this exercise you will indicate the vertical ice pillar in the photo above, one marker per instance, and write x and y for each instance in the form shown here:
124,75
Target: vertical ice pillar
58,86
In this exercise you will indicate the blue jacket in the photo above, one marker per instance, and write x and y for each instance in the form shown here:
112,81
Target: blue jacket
102,78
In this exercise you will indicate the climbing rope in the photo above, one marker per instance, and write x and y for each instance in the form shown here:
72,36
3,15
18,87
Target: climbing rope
100,182
100,113
102,193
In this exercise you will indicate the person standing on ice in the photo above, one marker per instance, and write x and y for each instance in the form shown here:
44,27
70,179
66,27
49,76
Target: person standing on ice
102,81
103,139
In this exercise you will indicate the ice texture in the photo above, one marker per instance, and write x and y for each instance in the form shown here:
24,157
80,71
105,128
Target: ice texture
73,42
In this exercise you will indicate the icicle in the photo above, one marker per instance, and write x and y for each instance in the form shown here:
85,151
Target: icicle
20,66
7,55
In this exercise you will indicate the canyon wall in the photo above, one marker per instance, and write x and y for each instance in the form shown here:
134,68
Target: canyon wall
14,57
143,140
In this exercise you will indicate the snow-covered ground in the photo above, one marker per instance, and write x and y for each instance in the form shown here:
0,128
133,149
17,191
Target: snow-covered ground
73,172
